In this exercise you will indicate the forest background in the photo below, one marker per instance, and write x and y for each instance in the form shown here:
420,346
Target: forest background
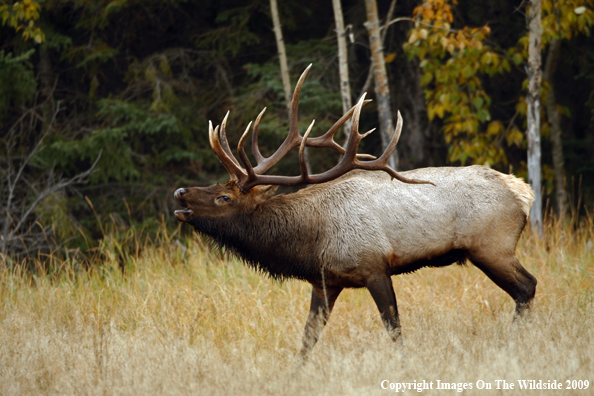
104,105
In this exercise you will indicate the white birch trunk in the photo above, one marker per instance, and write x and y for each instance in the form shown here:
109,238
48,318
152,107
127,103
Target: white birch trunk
380,78
343,62
533,116
284,66
282,53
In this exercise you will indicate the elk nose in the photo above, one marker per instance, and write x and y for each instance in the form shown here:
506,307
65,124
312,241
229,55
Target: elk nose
179,192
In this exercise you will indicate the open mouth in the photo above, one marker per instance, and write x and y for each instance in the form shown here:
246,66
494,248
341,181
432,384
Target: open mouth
184,214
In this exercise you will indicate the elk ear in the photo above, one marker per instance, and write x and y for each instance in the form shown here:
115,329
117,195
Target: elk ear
263,192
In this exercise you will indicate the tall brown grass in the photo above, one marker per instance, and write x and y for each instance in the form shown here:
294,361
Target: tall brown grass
180,319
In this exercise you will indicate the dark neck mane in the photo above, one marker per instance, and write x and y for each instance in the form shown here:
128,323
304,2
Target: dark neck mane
274,239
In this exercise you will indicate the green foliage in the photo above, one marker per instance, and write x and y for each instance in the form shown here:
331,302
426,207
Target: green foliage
320,96
54,210
22,17
232,31
320,99
453,64
17,82
566,18
91,57
98,14
56,41
132,143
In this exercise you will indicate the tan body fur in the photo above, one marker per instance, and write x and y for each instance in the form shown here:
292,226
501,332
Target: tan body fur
366,217
358,230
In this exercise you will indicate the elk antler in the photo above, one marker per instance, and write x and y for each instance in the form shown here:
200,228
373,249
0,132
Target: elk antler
248,176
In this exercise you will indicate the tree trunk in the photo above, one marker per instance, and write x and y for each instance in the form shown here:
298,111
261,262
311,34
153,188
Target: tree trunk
384,32
380,78
555,122
46,85
533,102
282,53
343,63
418,131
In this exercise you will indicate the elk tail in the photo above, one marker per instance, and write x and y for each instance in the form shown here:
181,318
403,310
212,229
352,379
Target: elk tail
521,190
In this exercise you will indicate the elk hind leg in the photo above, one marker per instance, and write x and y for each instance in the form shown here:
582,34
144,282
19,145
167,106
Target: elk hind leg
322,302
507,272
382,291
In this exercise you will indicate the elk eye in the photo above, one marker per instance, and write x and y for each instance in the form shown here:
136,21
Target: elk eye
223,199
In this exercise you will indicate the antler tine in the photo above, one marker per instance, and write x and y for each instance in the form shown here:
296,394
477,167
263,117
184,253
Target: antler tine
327,139
354,137
394,141
302,161
293,139
251,175
293,126
213,136
347,162
224,142
255,148
212,133
367,133
382,162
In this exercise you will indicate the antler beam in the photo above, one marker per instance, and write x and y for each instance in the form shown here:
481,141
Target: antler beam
248,176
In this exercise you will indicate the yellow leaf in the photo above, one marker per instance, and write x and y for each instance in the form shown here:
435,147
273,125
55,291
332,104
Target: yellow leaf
518,137
514,136
390,57
439,109
486,58
430,113
547,6
521,106
494,127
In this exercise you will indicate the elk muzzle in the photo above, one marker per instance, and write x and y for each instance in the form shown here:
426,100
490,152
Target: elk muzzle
185,214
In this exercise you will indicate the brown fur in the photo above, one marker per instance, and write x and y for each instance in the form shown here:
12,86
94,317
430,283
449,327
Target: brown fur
358,230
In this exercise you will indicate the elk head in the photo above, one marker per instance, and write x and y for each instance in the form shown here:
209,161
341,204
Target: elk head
249,186
219,200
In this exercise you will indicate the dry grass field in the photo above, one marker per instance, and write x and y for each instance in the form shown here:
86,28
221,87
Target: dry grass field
184,320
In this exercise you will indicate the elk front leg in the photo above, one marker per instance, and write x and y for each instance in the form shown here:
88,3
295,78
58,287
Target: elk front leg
380,287
322,302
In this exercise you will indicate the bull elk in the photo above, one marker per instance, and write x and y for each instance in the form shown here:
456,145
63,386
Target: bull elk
356,227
